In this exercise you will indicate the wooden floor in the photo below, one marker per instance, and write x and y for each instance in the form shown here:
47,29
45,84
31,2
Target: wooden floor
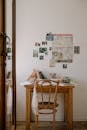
48,126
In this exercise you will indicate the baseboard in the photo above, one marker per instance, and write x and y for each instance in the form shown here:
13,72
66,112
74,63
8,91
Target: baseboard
79,123
75,123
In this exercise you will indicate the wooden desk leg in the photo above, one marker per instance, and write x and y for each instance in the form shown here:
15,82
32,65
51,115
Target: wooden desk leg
28,101
70,109
65,107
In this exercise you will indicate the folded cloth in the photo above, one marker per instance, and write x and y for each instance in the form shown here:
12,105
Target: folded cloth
9,100
25,83
34,101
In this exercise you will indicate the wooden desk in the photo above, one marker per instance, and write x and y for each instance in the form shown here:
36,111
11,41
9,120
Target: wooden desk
68,104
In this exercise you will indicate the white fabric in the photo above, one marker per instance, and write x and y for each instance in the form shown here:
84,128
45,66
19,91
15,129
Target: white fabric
34,104
25,83
9,101
34,101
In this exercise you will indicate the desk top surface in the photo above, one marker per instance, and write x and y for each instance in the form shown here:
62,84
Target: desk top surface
64,86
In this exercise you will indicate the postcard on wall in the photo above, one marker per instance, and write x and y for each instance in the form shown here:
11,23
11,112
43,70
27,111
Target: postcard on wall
64,40
41,57
35,53
76,49
49,36
42,49
62,48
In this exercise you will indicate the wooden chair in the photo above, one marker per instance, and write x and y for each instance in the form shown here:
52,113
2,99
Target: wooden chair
47,103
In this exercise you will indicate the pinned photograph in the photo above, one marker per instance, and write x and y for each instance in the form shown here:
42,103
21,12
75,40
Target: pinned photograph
41,57
37,44
50,48
44,43
64,66
42,49
35,53
76,49
49,37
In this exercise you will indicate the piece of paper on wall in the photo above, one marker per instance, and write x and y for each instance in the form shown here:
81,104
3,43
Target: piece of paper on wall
62,48
76,49
49,36
35,53
51,63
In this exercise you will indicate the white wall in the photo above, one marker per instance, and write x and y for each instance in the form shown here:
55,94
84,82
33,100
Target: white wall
34,19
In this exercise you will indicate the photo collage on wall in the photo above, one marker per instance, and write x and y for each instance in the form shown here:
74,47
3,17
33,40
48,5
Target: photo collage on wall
40,50
58,47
